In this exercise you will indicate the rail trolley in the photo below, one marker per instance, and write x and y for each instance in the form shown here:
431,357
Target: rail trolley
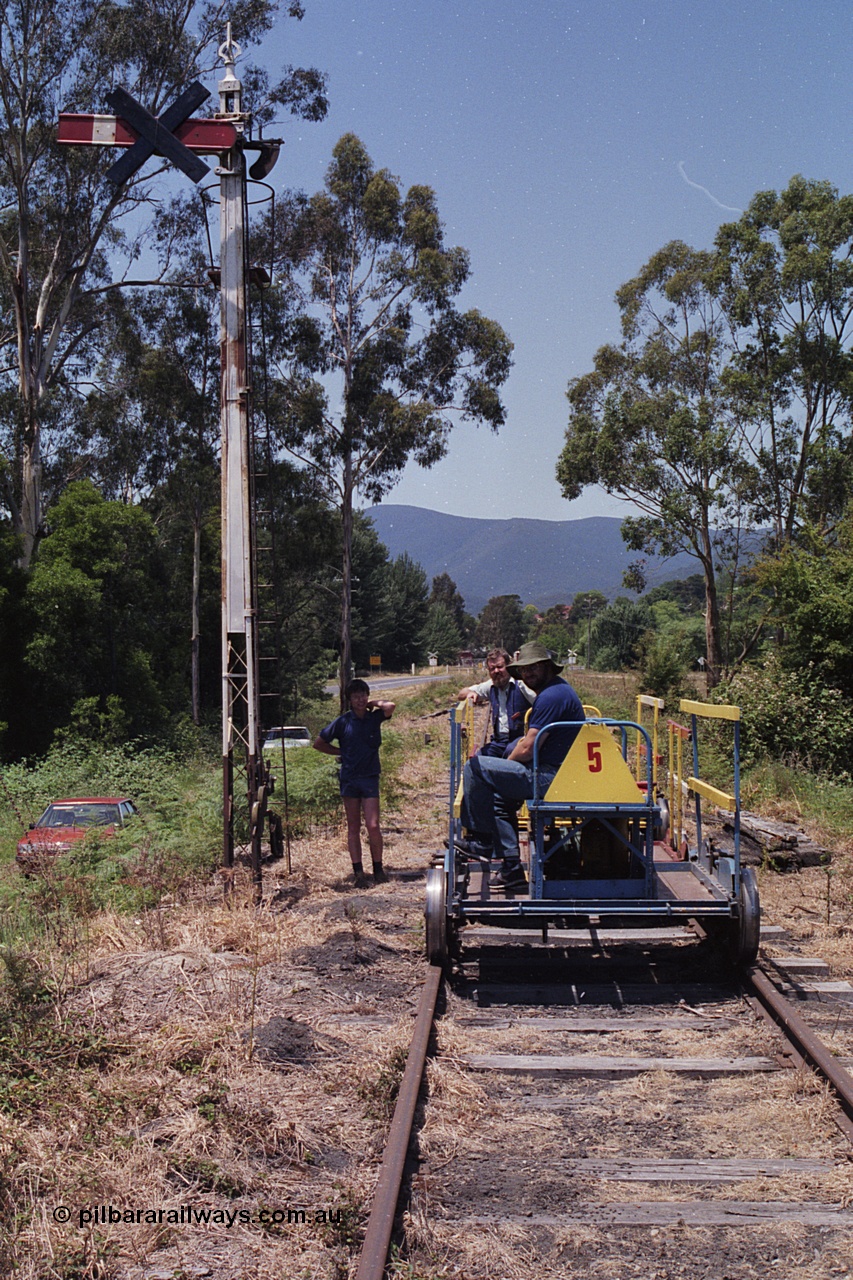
597,846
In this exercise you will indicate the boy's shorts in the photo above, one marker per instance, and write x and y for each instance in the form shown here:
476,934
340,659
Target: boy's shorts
360,789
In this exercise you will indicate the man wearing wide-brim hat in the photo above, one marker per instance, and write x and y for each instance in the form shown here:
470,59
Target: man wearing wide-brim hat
494,788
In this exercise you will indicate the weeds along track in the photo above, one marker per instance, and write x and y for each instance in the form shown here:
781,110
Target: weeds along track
605,1107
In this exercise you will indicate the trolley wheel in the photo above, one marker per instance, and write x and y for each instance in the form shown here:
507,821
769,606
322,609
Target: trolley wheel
662,825
436,916
746,932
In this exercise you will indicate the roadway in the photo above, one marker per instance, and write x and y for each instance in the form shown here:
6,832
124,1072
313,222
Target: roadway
395,682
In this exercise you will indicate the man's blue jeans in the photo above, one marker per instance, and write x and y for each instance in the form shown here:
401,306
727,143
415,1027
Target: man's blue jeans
493,790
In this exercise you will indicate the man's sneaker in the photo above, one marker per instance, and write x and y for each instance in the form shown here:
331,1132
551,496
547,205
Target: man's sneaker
474,849
510,877
380,875
359,880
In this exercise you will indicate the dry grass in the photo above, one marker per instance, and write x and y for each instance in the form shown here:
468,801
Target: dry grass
200,1055
194,1057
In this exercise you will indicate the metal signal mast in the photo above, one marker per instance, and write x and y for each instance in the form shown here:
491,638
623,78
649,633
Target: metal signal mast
177,137
240,667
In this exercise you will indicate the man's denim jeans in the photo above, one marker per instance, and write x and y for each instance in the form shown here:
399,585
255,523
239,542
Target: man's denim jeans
492,795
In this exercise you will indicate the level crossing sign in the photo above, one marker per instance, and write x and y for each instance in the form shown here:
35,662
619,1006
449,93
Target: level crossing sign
174,135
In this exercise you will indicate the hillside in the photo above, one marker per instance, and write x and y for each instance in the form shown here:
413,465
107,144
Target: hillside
545,562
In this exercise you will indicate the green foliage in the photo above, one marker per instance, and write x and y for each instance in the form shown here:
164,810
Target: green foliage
406,595
313,793
370,616
812,589
617,634
669,651
687,593
436,696
445,591
662,669
65,250
554,630
13,693
502,624
175,838
93,630
441,635
392,755
824,800
784,277
792,717
375,286
650,422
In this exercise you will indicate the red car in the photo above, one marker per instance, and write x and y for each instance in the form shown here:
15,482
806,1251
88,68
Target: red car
66,821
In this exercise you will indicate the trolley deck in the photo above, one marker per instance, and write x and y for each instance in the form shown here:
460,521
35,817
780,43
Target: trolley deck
597,847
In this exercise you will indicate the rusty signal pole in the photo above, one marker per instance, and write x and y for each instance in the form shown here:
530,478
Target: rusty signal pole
240,693
177,137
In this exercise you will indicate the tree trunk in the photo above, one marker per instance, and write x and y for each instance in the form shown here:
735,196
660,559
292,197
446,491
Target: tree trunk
346,583
30,495
194,606
713,652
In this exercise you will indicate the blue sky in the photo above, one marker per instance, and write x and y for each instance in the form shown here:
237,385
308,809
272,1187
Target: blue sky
566,143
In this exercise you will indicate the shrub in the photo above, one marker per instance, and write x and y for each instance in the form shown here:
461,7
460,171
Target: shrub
791,717
662,669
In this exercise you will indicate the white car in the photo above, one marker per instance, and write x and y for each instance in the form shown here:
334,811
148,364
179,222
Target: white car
287,736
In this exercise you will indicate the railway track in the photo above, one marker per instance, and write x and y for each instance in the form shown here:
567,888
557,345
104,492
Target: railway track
603,1106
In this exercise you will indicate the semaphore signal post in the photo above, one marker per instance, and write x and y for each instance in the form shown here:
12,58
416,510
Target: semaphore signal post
179,138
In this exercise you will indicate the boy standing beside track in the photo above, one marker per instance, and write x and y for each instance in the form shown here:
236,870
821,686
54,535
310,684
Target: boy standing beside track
358,733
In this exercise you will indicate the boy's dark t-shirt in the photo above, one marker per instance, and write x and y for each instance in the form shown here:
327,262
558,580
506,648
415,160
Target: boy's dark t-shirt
359,741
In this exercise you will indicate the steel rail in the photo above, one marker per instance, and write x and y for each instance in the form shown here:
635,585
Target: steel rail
374,1251
805,1041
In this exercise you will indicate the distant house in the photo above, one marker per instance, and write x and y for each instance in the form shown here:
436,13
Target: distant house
465,658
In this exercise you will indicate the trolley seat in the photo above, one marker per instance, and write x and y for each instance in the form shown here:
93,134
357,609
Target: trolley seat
591,713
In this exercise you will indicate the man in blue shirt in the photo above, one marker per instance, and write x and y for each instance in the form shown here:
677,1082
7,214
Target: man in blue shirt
495,788
358,733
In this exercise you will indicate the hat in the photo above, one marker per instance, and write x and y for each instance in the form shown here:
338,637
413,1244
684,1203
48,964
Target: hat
528,655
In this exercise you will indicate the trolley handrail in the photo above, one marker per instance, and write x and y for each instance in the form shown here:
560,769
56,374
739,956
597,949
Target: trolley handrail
657,705
715,711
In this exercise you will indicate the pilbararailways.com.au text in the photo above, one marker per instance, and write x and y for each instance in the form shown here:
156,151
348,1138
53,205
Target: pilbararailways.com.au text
197,1216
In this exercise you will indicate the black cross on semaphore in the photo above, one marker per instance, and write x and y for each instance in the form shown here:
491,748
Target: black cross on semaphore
157,135
176,136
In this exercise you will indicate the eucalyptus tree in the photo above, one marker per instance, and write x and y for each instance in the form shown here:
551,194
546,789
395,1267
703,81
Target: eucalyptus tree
441,634
377,359
502,624
652,423
784,276
445,591
69,240
150,430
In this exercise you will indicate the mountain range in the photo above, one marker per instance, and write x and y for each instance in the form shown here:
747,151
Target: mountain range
545,562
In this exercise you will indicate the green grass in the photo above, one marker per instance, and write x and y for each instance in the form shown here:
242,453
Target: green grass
175,838
313,795
810,796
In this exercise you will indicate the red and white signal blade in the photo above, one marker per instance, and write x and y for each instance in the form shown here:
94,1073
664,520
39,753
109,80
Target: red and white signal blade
112,131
